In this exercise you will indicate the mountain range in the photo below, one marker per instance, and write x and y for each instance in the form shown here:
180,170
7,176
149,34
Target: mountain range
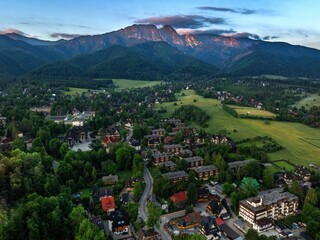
148,52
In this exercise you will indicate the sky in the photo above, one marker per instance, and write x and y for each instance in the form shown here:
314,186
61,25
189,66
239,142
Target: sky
293,21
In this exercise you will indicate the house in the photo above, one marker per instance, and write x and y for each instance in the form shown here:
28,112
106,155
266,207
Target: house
76,134
186,130
185,153
302,172
235,166
176,176
149,234
218,139
204,172
58,119
214,207
174,148
119,225
108,204
262,210
125,198
135,144
168,166
287,178
204,194
188,221
160,157
229,232
102,225
98,193
159,132
111,179
110,139
207,228
194,161
3,121
152,140
179,199
129,184
173,122
168,140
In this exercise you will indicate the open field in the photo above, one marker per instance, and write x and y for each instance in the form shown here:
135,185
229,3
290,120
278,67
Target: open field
287,134
284,165
309,101
126,83
75,91
253,112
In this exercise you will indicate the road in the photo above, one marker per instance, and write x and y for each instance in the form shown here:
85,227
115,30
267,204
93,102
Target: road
129,134
144,200
146,194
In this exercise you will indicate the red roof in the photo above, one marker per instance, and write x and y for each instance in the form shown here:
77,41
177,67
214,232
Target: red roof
179,197
219,221
108,204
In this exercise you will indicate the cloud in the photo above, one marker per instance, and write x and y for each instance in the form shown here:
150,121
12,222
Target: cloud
64,35
183,21
35,23
207,31
13,30
218,9
269,37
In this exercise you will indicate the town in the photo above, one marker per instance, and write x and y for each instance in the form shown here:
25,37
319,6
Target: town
131,173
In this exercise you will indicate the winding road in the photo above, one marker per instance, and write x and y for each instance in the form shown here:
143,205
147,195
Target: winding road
144,200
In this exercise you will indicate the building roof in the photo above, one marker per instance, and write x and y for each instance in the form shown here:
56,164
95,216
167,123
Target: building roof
172,146
179,197
302,171
206,168
177,174
193,159
158,155
108,203
215,207
167,164
229,231
238,164
219,221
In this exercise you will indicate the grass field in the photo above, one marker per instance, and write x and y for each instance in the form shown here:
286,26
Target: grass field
75,91
284,165
126,83
254,112
309,101
289,135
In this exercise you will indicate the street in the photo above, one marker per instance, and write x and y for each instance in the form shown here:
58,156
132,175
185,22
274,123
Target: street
146,194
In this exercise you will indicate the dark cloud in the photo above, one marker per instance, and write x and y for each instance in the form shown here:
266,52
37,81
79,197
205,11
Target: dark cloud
64,35
183,21
218,9
269,37
13,30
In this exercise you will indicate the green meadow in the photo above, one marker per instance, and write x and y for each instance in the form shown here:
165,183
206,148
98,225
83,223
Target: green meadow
309,101
75,91
253,112
127,83
291,136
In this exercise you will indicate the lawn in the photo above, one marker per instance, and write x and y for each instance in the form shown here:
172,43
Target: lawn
284,165
308,101
75,91
127,83
287,134
124,175
253,112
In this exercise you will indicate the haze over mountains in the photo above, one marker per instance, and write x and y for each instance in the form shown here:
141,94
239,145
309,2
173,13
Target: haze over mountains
146,52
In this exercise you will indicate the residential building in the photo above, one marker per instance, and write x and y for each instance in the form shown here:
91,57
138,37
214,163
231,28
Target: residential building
174,122
214,207
207,228
179,199
302,172
194,161
185,153
235,166
110,179
204,172
174,148
168,166
153,140
159,132
160,157
119,225
176,176
76,134
262,210
188,221
149,234
108,204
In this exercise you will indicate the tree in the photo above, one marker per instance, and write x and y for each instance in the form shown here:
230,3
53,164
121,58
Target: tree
133,211
192,193
87,231
251,169
138,190
234,201
76,217
249,186
123,134
268,179
19,143
313,227
296,189
124,158
227,188
251,235
189,209
311,197
110,167
64,149
154,214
